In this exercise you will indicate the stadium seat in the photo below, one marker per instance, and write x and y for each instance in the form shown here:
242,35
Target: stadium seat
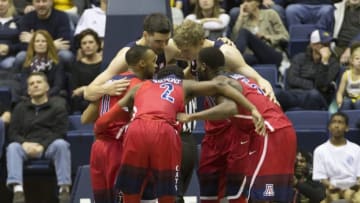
310,127
80,138
81,191
5,95
299,38
309,120
269,72
354,132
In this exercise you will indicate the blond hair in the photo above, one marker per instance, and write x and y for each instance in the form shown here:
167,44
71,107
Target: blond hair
188,33
51,50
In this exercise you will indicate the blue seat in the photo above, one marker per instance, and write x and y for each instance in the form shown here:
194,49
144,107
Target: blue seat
354,132
299,38
80,138
5,96
310,127
309,120
269,72
82,186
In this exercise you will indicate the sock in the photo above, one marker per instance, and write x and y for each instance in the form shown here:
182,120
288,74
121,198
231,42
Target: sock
64,188
18,188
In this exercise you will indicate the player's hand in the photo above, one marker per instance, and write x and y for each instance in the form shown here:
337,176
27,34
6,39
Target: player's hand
183,117
268,90
116,87
227,41
259,123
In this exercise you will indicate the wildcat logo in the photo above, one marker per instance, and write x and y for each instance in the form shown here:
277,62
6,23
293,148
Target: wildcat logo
269,190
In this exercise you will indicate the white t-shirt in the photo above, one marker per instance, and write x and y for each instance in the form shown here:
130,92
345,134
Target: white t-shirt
93,18
339,164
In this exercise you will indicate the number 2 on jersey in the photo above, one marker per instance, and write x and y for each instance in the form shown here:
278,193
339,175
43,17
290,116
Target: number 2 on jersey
166,94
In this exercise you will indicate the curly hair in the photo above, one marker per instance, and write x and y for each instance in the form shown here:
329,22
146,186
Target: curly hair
188,33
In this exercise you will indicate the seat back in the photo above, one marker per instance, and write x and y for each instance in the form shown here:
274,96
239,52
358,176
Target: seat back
354,132
269,72
299,38
309,120
5,96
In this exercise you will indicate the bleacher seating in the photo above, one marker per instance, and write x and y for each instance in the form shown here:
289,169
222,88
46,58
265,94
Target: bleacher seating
299,38
80,138
310,127
5,96
354,133
269,72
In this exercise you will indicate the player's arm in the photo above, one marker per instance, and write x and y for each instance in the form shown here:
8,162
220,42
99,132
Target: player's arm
98,87
225,108
91,113
236,63
212,88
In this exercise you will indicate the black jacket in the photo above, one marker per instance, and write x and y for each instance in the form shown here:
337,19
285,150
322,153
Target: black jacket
39,123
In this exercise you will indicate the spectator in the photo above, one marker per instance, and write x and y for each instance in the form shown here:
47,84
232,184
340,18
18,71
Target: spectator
41,57
348,94
93,18
337,162
9,34
212,17
346,28
310,78
49,19
305,189
266,4
319,12
37,129
262,31
5,116
86,69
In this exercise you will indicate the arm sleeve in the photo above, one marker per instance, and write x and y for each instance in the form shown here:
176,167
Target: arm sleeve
59,80
319,172
293,77
313,190
281,34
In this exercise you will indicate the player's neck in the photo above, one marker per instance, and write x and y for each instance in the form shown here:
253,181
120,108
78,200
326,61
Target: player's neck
136,72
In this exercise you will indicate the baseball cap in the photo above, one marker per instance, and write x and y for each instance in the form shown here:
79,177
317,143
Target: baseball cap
320,36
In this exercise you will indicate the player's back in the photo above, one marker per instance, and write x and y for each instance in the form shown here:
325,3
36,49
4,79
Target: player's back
271,112
108,101
159,99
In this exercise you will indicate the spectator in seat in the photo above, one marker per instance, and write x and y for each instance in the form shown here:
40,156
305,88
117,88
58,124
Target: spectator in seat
337,162
305,189
310,78
212,17
318,12
55,22
9,34
348,94
37,129
262,32
93,18
346,27
86,69
41,57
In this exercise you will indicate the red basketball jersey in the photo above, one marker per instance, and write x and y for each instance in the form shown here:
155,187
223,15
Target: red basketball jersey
272,113
160,99
108,101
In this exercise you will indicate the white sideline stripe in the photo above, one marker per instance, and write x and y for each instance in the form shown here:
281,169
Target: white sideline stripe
189,199
85,200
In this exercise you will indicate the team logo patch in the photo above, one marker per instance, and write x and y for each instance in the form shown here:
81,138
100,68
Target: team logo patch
269,190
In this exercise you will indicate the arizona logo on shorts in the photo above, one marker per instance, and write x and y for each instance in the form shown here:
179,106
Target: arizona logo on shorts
269,190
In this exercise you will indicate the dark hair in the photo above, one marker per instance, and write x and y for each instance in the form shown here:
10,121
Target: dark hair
135,54
39,73
342,114
354,46
157,22
171,70
83,34
212,57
